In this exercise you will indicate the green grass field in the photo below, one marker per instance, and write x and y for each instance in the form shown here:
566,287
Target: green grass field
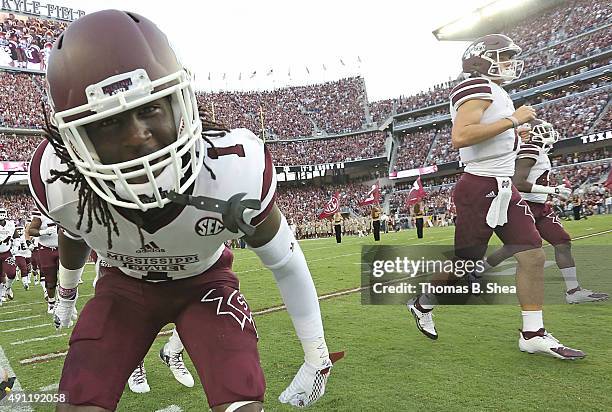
389,365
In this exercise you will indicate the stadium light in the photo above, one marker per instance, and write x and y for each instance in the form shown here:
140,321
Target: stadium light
472,19
462,24
500,6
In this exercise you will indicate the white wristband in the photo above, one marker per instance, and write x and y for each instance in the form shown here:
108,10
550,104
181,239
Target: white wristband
551,190
69,278
515,122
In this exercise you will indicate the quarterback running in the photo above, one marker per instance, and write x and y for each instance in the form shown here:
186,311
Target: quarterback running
484,130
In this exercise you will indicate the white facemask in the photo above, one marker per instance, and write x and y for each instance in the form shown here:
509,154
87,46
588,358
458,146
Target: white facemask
165,182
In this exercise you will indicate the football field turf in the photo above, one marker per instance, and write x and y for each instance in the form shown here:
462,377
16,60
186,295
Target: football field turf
474,365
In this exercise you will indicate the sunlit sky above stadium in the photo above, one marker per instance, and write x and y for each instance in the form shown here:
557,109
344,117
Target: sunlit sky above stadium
279,39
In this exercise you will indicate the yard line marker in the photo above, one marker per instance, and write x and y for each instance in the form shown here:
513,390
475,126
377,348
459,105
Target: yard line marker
22,318
42,358
171,408
21,342
48,325
49,388
16,311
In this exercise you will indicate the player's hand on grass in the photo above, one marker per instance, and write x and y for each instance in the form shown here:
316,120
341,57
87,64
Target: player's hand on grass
308,385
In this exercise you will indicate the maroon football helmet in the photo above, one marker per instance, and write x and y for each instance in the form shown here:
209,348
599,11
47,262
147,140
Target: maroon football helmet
484,57
109,62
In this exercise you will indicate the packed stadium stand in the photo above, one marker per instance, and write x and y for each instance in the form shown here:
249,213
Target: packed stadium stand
568,66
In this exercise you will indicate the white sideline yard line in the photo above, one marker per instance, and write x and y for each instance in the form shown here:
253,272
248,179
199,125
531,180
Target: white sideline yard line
4,363
26,304
45,357
171,408
22,318
49,388
306,250
16,311
592,234
41,358
21,342
26,328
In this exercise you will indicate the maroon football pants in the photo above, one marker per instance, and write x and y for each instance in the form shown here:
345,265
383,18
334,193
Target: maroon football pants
118,325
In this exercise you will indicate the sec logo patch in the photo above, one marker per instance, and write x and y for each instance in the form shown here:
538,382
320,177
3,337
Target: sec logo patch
209,226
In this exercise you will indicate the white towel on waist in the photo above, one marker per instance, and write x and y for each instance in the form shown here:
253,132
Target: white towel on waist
498,211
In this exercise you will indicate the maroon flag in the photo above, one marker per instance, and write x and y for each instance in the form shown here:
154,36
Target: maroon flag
416,193
332,206
372,197
608,182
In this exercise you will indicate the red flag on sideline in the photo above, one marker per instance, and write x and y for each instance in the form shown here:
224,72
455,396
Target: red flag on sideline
332,206
373,196
416,192
608,182
566,182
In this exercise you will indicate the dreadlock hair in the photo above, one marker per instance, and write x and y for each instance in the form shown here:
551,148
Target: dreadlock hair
97,208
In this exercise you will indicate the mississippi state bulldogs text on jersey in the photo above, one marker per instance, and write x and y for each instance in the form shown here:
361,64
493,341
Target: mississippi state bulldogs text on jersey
539,172
6,235
495,156
192,241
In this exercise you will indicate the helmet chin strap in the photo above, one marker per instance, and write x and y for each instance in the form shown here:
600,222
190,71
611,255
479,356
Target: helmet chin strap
165,182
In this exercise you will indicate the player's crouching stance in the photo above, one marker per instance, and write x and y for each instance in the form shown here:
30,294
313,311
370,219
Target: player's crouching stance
131,172
484,130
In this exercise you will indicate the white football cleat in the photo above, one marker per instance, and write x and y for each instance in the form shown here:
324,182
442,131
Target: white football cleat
584,296
9,294
138,380
175,362
424,320
543,342
50,308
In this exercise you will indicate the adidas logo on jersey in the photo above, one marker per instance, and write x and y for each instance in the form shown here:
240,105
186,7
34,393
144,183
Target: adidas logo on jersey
150,247
491,194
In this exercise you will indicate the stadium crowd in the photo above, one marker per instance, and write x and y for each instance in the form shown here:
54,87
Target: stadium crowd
317,151
17,148
18,205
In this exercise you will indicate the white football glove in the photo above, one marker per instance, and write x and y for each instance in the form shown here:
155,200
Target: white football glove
308,385
563,192
65,312
45,232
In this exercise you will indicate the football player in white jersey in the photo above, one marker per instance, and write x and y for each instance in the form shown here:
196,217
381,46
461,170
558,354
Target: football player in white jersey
131,170
22,254
7,261
531,178
484,130
45,229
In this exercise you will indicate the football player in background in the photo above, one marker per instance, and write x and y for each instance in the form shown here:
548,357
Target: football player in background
531,178
132,171
484,130
22,253
34,257
45,229
7,261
